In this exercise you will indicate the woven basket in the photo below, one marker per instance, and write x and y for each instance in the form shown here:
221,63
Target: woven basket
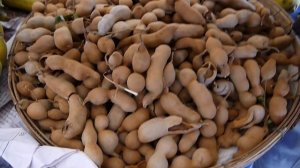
281,16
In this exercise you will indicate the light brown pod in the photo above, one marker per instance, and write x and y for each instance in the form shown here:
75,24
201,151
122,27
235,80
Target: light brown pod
21,58
106,45
277,109
173,106
268,70
77,117
77,26
181,161
98,110
131,157
132,141
63,38
115,117
146,150
141,59
37,110
123,100
134,120
188,140
101,122
136,82
120,74
115,60
61,104
42,44
48,124
56,114
160,126
64,89
113,162
209,129
25,88
92,52
58,138
108,141
97,96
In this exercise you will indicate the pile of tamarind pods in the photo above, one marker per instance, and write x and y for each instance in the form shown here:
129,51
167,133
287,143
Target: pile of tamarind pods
155,83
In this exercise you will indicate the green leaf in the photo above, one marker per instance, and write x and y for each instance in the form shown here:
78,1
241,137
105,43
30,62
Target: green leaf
1,4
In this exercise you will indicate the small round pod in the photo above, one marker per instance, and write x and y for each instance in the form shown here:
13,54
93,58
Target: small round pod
146,150
138,11
98,110
181,161
73,53
209,128
38,110
202,156
149,17
108,141
185,64
115,60
132,141
63,38
236,35
120,74
113,162
25,88
247,99
102,67
136,82
20,58
92,52
131,157
101,122
82,91
38,93
106,45
38,6
77,26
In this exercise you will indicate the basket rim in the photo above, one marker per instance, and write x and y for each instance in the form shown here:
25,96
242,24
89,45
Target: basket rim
268,142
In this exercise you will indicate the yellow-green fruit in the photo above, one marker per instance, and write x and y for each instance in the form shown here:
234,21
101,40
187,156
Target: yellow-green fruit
286,4
19,4
3,49
0,68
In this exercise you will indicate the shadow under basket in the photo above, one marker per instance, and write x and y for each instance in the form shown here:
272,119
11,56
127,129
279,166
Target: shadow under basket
240,161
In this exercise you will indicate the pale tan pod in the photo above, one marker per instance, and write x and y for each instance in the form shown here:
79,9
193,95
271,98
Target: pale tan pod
108,141
115,117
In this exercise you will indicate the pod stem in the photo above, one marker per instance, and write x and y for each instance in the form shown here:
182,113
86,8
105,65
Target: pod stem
119,86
